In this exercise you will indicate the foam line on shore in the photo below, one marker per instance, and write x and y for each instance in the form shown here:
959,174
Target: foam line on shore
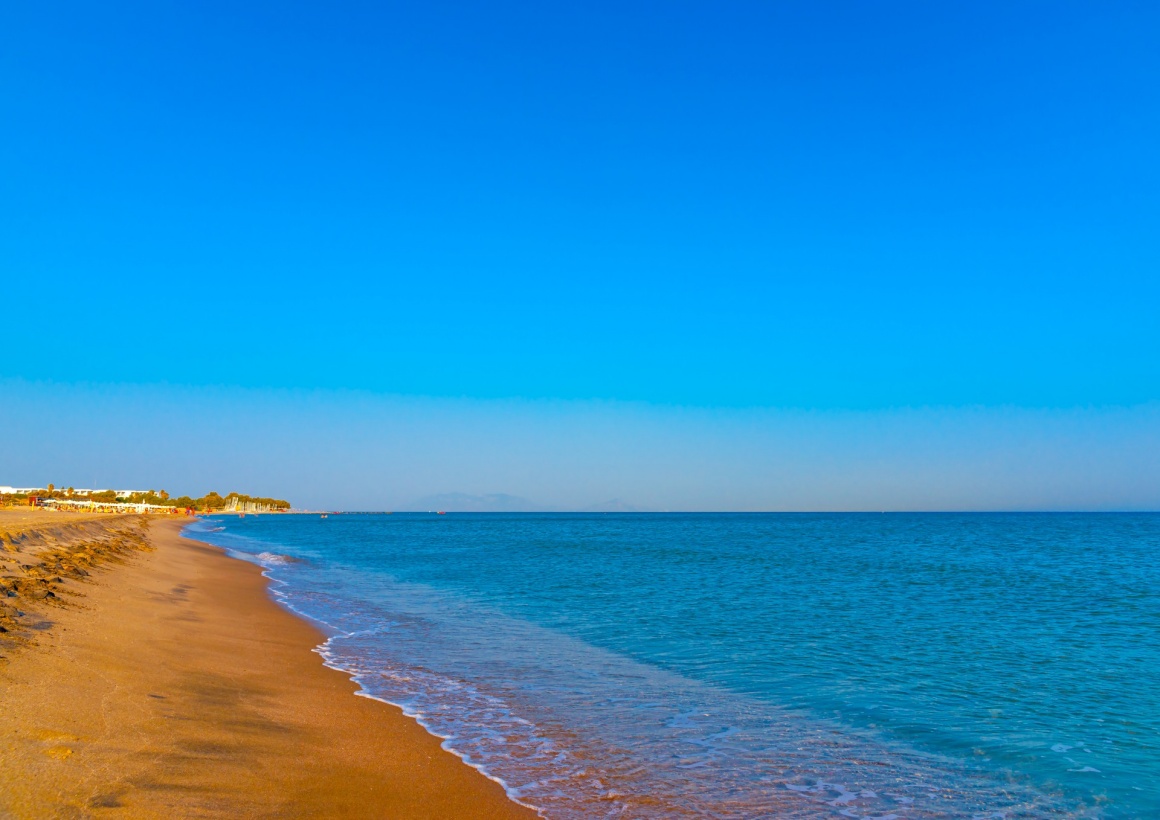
267,561
263,560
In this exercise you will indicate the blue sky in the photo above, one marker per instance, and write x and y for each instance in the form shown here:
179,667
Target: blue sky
765,208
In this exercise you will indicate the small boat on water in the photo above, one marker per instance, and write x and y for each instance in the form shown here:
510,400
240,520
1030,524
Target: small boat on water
322,516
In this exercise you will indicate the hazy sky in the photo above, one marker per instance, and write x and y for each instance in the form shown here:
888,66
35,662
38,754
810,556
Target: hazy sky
360,451
766,256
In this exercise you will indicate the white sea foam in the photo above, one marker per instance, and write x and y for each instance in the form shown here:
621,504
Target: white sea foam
704,763
273,559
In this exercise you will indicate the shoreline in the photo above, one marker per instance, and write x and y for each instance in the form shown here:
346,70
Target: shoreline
174,683
360,691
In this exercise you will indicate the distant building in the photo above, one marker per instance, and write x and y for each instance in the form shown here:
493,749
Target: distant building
84,492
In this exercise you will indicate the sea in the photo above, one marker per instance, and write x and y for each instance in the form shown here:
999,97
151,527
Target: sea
882,666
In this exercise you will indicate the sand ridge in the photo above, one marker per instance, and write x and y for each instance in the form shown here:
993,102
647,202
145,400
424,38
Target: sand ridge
175,687
41,554
27,528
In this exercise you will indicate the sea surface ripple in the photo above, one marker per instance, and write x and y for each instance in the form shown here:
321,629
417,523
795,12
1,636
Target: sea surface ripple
752,665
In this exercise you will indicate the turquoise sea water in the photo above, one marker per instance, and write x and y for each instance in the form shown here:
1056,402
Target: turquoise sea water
721,665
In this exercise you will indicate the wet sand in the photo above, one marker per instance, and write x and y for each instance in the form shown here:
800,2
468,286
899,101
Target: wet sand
161,680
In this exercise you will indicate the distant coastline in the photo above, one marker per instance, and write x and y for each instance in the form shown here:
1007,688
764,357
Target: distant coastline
142,501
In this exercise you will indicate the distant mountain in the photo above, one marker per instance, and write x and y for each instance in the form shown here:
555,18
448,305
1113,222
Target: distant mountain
615,505
502,502
462,502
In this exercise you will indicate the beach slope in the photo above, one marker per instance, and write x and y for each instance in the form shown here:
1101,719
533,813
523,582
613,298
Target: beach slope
165,682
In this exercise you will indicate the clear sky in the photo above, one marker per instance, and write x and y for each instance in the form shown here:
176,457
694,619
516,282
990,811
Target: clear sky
585,223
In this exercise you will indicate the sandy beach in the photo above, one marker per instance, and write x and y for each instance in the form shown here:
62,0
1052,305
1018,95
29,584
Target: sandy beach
146,675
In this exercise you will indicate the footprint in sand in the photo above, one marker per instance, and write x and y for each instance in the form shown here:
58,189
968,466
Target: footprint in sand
58,750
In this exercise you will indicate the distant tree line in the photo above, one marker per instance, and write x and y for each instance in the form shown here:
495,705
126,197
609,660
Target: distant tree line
213,501
207,503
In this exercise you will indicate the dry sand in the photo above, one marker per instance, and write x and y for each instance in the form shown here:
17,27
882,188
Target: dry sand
160,680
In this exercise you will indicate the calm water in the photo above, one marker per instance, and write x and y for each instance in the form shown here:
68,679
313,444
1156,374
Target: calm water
885,666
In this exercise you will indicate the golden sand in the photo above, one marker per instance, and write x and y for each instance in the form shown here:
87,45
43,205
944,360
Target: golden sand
160,680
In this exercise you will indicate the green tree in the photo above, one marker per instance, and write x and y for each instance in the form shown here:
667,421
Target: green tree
211,501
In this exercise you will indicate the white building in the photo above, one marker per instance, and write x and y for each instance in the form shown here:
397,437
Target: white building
85,492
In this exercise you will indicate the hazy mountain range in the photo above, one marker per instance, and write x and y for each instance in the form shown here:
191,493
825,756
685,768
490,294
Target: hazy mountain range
502,502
